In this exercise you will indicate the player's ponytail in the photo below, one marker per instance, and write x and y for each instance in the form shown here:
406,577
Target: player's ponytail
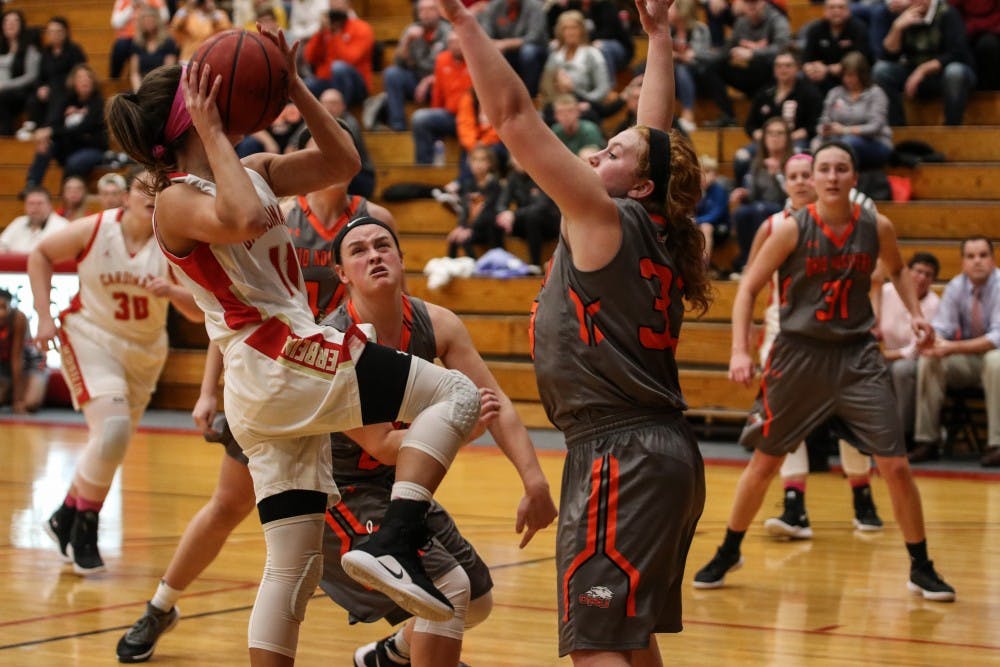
136,121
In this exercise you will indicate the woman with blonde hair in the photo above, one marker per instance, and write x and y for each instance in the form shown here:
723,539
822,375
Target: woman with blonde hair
575,67
152,46
692,42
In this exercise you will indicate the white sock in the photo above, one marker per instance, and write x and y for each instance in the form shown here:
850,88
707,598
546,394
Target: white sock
410,491
402,647
166,597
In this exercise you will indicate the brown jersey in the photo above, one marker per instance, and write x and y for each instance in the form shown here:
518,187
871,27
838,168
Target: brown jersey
825,281
350,462
604,341
312,239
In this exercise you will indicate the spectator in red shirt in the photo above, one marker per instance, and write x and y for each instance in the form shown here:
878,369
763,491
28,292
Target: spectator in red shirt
340,54
451,82
982,27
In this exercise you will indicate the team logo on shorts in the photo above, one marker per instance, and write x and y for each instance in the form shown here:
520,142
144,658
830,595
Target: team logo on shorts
597,596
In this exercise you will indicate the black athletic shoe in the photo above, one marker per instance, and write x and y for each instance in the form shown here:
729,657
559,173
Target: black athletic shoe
389,562
925,581
866,517
59,526
138,643
83,544
714,574
380,654
794,521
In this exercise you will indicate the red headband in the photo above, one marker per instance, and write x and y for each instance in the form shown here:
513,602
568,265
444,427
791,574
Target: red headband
178,121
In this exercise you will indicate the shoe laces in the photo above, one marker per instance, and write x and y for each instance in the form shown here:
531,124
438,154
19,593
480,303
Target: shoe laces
144,627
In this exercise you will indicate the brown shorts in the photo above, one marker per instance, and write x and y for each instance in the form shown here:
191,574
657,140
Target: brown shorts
632,495
806,383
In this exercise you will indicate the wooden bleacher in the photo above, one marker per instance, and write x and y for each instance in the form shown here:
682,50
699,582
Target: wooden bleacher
950,201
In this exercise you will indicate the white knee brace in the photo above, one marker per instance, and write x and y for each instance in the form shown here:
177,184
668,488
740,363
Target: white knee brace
796,463
293,570
443,406
110,432
854,463
455,586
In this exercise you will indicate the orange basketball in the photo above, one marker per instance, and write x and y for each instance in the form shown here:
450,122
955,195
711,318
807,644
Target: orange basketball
254,78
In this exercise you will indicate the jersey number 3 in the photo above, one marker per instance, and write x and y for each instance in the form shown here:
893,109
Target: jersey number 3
131,308
835,293
649,337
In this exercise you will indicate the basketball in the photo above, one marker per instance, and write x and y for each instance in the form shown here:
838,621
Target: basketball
254,78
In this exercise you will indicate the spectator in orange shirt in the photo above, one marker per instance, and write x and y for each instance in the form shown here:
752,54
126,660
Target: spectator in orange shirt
195,22
451,82
474,129
340,54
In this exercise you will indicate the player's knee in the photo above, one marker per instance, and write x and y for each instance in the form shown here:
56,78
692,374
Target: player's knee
114,438
464,398
455,586
228,508
479,610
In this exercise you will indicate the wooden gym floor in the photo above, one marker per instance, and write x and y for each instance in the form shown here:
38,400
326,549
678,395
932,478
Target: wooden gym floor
839,599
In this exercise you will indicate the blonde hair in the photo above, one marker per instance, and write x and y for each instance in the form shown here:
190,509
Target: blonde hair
708,163
567,17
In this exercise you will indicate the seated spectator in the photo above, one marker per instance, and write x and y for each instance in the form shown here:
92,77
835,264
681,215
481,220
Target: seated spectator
719,15
575,68
195,22
878,15
630,98
411,75
124,18
59,55
38,221
304,19
20,61
857,113
831,38
692,53
111,189
982,28
526,212
72,198
474,129
23,375
246,13
479,197
75,133
605,30
762,193
572,130
340,54
152,47
712,210
899,345
747,59
793,98
926,55
276,137
965,351
517,28
451,83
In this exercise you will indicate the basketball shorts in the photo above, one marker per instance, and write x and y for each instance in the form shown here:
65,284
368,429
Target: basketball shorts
632,494
284,394
807,382
96,363
348,522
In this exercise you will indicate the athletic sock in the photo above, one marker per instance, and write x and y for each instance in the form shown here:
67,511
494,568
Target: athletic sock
166,597
732,541
400,645
858,483
410,491
84,505
798,485
918,553
70,501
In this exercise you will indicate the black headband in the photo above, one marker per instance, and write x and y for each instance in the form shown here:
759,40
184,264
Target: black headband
659,163
354,224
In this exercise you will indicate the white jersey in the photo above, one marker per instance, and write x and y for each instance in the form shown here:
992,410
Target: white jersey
113,295
242,285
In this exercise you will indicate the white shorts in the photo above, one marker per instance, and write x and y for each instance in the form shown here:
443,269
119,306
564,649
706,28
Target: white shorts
96,363
284,395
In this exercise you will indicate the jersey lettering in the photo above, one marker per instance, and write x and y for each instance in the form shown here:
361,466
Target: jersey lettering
649,337
134,308
835,294
590,333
